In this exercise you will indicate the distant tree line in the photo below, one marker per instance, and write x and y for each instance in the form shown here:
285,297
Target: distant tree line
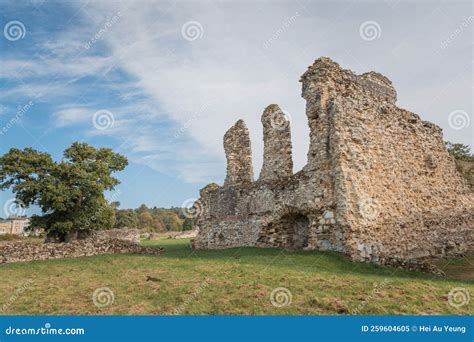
152,219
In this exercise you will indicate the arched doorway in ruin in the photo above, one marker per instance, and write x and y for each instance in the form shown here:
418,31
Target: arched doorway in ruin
290,232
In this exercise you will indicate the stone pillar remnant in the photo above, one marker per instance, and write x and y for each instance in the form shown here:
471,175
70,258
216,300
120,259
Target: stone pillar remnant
239,154
277,159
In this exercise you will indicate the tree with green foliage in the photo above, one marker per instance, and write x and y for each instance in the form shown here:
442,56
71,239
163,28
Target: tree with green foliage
115,204
70,193
172,222
126,218
153,219
459,151
188,223
145,219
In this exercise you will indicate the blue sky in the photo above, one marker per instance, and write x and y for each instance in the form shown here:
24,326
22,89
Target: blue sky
161,81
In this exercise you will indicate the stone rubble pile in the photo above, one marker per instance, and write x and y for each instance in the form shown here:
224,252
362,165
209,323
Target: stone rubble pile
101,243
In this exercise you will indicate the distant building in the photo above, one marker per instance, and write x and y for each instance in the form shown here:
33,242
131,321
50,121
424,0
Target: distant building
15,225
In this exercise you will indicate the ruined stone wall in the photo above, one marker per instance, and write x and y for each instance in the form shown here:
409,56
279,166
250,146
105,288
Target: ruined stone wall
398,193
234,216
379,184
264,213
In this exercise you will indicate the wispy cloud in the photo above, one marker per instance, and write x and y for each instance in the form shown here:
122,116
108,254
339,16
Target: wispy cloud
53,66
71,116
173,98
3,109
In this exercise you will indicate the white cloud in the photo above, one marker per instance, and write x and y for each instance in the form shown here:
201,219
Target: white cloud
185,94
71,116
249,57
58,67
204,86
44,91
3,109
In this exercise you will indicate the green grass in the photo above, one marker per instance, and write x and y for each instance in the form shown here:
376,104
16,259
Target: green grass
234,281
9,237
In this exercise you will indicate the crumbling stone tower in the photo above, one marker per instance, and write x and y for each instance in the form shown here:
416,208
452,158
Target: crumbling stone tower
378,185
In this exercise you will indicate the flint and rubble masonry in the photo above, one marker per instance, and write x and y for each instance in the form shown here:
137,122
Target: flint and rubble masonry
378,185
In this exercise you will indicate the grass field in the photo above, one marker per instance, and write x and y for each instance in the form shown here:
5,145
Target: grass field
235,281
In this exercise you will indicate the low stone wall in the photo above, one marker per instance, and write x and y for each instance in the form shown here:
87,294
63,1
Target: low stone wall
20,251
170,235
185,235
132,235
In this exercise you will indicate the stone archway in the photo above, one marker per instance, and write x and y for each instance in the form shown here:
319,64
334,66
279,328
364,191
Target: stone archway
290,231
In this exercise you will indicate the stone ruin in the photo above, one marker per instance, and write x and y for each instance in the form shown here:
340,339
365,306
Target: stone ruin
378,185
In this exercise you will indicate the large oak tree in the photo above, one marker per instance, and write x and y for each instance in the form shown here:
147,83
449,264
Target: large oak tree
70,193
